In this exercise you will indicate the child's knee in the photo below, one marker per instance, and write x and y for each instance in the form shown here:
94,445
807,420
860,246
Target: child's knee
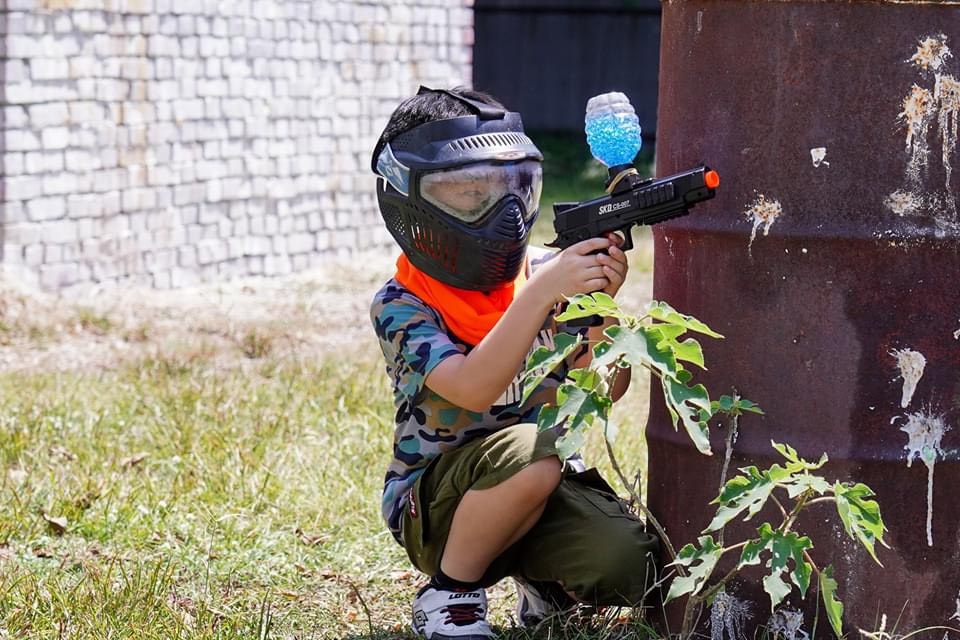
521,446
544,476
519,455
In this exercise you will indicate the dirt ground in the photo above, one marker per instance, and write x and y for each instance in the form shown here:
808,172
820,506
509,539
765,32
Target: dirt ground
301,316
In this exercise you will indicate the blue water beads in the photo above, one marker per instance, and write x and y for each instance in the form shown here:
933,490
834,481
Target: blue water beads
613,129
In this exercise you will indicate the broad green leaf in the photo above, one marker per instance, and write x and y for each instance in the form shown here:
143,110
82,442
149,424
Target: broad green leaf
751,551
735,406
747,405
577,409
571,442
666,332
665,313
783,548
725,403
580,406
637,348
544,360
547,418
586,305
796,462
806,482
748,492
665,337
860,516
776,588
686,405
600,349
586,379
834,608
699,563
689,351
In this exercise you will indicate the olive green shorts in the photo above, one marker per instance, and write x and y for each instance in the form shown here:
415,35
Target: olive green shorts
586,539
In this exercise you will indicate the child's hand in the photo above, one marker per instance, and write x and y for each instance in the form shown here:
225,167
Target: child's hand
614,265
577,269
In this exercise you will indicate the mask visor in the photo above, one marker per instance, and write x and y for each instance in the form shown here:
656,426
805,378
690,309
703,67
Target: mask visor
469,192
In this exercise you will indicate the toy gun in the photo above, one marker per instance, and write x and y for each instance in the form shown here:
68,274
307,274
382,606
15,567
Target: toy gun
613,133
632,201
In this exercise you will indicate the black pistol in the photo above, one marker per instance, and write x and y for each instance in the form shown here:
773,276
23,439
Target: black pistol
632,200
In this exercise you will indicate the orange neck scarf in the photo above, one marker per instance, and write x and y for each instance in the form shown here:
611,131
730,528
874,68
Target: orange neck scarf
470,315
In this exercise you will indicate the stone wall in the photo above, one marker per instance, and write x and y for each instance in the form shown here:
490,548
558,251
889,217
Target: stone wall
172,142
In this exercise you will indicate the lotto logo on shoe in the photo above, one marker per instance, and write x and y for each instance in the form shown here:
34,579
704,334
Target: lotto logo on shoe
412,502
419,619
467,594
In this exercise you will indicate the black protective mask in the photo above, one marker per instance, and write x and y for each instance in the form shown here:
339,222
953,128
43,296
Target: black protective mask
468,238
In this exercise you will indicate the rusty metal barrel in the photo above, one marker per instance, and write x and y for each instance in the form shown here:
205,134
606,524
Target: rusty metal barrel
830,260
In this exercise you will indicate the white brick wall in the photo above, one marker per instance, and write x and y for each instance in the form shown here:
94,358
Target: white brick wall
172,142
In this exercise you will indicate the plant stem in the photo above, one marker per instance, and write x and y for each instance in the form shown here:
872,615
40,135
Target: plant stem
731,438
686,630
695,601
643,507
783,510
797,508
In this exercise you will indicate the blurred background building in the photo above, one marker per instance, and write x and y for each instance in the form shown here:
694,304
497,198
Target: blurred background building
545,58
171,142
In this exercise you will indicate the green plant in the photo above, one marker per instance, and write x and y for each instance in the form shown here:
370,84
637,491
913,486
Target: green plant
93,322
256,344
656,341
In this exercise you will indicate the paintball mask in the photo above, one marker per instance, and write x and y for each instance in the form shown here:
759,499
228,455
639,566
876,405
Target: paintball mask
460,195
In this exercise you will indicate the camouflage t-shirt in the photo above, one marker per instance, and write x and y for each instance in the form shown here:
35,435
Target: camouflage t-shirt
414,339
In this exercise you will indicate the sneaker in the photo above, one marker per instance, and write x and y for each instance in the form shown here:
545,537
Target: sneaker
537,601
451,615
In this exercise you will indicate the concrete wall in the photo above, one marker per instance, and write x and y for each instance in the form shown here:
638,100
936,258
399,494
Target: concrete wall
172,142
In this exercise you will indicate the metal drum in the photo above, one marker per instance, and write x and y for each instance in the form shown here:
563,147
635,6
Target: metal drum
830,260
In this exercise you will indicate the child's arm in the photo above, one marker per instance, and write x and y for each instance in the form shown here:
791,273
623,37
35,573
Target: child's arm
476,380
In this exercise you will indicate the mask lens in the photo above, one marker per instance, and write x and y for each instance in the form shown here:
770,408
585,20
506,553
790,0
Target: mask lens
467,193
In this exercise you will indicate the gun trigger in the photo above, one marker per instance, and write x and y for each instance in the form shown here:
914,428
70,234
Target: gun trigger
627,239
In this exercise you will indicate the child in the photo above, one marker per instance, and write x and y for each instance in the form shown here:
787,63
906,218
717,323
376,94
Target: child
475,493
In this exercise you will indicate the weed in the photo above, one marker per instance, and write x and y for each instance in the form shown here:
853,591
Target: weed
256,344
93,322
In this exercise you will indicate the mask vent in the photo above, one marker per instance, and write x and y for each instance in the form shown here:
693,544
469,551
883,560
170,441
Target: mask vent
510,224
485,140
395,223
433,243
503,268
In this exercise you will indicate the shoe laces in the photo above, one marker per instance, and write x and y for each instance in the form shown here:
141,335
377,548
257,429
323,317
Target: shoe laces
462,615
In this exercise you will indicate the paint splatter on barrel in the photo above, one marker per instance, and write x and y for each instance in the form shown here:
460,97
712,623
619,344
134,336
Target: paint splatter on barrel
836,285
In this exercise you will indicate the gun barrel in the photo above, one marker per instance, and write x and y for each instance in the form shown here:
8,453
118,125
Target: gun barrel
645,202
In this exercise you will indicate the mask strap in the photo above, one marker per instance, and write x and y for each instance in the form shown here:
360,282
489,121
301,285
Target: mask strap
483,110
395,172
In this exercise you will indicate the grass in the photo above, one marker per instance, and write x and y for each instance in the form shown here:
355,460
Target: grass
174,499
220,479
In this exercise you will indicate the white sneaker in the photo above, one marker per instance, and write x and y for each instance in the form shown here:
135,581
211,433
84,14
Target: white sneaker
537,601
451,615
